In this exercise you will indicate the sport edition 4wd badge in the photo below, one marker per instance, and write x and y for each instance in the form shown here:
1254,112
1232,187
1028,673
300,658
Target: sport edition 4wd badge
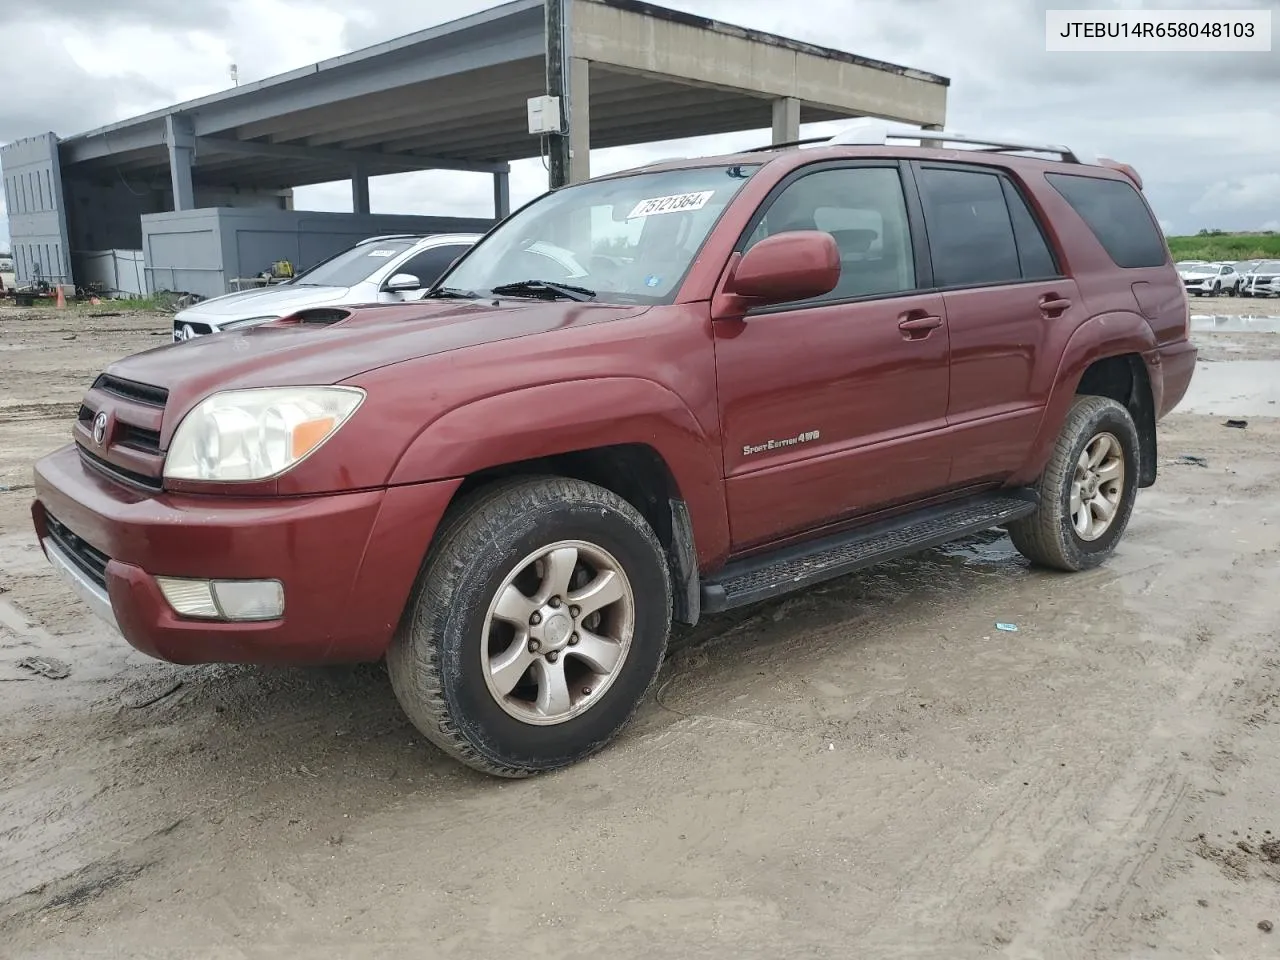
808,437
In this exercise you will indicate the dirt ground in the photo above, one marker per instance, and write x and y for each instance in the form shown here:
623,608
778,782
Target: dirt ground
868,770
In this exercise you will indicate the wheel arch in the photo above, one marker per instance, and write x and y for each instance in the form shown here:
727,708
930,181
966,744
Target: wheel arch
630,435
1124,378
1104,356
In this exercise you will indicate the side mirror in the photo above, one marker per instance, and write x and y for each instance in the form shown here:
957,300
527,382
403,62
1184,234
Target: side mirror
790,266
404,281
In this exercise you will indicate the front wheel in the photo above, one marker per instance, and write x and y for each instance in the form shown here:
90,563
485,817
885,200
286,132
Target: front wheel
537,626
1087,491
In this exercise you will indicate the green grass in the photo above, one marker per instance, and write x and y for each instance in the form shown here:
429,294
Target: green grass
1226,246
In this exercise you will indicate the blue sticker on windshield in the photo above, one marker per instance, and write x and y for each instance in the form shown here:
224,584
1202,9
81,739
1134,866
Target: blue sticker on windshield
652,281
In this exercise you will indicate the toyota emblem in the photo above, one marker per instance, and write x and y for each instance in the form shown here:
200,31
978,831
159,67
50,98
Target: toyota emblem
100,428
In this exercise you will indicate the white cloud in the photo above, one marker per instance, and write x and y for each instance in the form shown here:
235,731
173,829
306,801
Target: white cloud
1250,194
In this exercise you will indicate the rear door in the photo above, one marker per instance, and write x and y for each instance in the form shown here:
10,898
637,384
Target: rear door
1003,289
835,406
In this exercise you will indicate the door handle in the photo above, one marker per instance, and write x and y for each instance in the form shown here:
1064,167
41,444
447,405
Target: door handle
917,328
1052,306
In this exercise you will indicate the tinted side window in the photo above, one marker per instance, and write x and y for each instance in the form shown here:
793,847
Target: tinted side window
864,209
429,264
1117,215
970,234
1033,252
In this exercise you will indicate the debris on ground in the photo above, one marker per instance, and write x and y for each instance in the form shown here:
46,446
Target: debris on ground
1237,424
1190,460
155,694
1266,926
1007,627
45,667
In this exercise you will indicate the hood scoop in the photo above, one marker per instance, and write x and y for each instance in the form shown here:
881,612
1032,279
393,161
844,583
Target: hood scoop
317,317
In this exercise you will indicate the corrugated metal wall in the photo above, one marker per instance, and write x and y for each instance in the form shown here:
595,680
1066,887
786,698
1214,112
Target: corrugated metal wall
37,215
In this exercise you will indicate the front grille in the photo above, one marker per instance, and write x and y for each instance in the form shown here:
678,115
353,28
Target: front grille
139,438
130,390
129,416
92,562
130,477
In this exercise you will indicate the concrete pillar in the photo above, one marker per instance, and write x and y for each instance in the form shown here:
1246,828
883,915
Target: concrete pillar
501,195
579,120
786,120
180,136
932,144
359,188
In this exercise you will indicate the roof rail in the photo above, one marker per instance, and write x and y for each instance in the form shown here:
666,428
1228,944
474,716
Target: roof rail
869,130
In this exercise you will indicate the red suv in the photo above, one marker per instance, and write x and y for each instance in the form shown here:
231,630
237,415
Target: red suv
747,374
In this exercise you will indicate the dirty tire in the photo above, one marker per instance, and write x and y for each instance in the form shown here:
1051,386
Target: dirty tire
1048,537
436,664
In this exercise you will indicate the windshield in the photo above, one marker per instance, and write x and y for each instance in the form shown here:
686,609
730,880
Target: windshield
625,240
1268,266
352,266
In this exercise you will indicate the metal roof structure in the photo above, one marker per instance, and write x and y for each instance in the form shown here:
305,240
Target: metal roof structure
454,97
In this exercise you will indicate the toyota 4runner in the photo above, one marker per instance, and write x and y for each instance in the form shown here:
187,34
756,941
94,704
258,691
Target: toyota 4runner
773,368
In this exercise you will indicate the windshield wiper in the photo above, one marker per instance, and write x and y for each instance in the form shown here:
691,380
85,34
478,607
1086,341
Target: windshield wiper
545,288
450,293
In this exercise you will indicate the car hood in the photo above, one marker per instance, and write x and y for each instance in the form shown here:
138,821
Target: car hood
292,353
1198,274
277,301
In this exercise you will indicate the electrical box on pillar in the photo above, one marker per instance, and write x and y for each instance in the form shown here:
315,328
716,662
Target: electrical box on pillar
545,116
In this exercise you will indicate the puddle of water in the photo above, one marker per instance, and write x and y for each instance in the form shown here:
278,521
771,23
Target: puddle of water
1234,388
1234,323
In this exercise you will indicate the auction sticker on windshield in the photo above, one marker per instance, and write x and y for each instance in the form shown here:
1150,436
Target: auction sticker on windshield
382,253
679,203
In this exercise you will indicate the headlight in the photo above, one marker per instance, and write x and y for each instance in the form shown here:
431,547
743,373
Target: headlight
247,322
257,434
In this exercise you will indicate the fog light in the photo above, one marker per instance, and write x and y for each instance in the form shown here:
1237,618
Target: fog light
239,600
250,599
189,598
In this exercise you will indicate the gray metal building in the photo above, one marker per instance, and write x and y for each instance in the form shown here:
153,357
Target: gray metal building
452,97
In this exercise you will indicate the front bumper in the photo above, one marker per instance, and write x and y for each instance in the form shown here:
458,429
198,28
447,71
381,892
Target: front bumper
347,561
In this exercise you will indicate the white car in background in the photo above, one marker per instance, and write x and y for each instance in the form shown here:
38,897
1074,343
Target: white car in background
377,270
1263,280
1210,279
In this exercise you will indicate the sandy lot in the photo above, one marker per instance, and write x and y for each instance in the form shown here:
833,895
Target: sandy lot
870,769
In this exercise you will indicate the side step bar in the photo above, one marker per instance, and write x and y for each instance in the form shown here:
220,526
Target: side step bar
793,568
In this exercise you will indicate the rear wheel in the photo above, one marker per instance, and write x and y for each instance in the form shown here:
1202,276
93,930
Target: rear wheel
536,628
1086,492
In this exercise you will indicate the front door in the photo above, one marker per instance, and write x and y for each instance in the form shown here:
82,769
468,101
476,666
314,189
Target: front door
835,406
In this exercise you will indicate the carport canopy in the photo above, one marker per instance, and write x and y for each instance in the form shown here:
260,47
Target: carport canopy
454,97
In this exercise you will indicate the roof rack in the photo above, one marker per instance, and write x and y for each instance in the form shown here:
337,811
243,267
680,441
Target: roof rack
869,131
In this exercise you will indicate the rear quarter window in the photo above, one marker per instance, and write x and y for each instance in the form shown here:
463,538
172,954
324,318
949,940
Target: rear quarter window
1118,217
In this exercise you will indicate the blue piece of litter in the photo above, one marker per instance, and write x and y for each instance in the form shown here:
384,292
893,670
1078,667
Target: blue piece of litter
1007,627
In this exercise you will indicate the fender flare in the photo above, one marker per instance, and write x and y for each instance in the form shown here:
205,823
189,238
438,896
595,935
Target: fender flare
1106,335
550,419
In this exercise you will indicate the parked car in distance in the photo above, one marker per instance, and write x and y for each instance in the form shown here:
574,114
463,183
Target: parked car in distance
377,270
1263,280
1210,279
791,363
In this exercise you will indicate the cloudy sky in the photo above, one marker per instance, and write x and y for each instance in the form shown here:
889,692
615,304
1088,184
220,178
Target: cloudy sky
1202,129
